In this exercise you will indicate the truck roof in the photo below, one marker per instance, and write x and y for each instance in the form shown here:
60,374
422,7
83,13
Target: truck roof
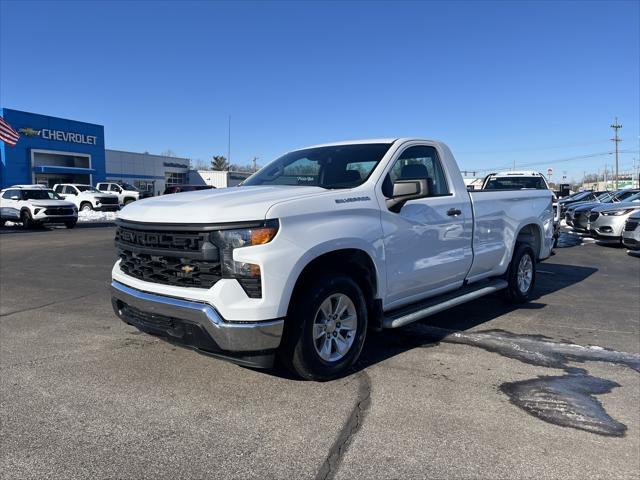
522,173
365,141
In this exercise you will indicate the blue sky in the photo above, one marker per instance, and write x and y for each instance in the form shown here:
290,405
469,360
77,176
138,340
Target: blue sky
530,82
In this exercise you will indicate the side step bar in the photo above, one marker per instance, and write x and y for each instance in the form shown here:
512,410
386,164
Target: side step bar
418,311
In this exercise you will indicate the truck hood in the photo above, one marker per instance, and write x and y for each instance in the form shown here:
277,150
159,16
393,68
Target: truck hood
224,205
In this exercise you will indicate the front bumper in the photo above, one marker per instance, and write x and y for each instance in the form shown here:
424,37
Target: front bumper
107,208
198,325
55,218
607,227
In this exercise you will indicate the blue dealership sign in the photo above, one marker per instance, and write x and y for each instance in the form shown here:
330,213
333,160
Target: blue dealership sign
50,146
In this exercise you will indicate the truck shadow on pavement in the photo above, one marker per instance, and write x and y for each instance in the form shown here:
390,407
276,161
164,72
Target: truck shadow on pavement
567,400
550,279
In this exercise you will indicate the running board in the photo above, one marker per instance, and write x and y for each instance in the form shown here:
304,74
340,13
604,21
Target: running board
405,315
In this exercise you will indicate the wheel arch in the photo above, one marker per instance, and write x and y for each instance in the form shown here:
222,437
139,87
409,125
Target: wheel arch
354,262
531,234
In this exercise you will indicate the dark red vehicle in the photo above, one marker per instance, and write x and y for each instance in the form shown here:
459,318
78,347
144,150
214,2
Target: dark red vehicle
185,188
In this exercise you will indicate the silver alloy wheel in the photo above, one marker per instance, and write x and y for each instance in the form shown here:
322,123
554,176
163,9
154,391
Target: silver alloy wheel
334,327
525,273
86,207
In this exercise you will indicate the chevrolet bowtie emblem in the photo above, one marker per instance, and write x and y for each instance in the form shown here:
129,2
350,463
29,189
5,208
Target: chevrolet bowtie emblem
188,268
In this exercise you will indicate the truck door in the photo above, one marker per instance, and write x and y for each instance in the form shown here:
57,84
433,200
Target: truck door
428,242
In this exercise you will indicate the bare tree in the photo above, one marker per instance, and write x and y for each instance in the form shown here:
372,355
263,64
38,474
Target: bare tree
169,153
199,164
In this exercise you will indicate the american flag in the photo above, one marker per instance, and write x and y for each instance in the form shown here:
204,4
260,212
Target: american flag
7,134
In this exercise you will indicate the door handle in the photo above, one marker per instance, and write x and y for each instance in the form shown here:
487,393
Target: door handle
454,212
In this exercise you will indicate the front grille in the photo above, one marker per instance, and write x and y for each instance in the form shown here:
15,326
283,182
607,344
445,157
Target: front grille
59,211
110,200
630,226
170,270
593,216
175,242
185,259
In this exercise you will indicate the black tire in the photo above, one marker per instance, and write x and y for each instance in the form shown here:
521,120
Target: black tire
128,201
26,219
83,206
71,224
515,293
298,350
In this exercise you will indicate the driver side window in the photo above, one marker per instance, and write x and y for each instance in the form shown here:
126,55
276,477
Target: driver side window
421,162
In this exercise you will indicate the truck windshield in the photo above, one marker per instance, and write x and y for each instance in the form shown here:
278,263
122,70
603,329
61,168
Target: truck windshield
336,166
515,183
87,188
128,186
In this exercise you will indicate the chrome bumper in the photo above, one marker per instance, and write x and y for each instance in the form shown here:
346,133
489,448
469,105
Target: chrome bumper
229,336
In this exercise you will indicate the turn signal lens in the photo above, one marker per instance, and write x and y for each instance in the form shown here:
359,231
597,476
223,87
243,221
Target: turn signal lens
260,236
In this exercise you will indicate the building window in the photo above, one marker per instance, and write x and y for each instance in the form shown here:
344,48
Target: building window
175,178
144,185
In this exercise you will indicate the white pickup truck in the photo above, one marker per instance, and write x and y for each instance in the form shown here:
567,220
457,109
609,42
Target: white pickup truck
320,246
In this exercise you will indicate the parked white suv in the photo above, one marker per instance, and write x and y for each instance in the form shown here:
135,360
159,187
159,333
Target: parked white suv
85,197
126,193
320,245
34,205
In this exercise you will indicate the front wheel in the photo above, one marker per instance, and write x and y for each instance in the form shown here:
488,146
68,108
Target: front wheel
86,207
521,275
326,328
27,220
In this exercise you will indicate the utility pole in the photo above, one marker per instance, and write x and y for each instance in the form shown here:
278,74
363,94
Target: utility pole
616,140
254,162
229,143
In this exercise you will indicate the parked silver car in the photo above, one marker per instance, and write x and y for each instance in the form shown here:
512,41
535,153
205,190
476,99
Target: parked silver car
631,232
607,222
577,214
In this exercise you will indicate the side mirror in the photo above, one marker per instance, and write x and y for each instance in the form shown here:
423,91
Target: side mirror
405,190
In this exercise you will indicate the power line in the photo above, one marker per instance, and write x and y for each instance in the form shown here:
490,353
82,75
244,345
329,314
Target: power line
522,149
553,161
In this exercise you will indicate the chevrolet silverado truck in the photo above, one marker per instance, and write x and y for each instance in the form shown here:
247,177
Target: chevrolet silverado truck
321,246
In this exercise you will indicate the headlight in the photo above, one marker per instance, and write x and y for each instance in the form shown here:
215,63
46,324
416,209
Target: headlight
618,212
229,240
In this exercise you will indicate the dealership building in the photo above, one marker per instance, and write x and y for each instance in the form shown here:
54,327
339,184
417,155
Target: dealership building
56,150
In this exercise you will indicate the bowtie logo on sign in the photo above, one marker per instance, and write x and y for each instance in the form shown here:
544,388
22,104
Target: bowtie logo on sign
59,135
29,132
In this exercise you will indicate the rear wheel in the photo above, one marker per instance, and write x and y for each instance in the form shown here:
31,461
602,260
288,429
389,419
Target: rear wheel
326,328
26,219
521,274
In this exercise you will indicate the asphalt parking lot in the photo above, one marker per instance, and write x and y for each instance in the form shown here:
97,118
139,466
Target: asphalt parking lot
549,390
